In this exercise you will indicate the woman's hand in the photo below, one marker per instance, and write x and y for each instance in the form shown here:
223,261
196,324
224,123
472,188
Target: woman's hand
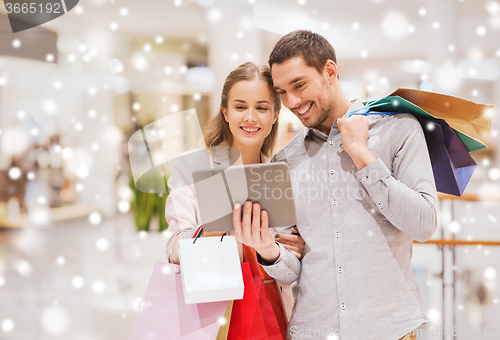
294,242
253,230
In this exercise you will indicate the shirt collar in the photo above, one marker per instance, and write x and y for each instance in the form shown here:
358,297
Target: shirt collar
357,104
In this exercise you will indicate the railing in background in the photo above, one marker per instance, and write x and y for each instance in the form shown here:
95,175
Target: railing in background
448,244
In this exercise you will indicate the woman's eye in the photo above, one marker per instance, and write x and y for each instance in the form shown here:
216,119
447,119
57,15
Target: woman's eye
240,107
262,108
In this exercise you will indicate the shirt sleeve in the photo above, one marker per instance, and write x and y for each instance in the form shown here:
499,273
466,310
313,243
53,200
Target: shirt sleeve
286,269
407,197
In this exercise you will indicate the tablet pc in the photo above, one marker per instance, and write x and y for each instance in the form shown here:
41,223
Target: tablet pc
267,184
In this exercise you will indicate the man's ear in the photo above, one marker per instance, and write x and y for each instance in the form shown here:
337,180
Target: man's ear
224,112
331,71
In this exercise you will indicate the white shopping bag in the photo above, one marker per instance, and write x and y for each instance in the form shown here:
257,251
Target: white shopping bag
210,269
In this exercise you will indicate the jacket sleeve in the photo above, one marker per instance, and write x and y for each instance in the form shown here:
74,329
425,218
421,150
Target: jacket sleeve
406,196
181,215
172,248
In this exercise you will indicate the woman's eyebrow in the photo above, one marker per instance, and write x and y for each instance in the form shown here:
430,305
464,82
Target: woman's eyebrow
240,101
263,101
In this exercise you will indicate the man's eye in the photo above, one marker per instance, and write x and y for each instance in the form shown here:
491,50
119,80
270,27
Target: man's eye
298,86
281,92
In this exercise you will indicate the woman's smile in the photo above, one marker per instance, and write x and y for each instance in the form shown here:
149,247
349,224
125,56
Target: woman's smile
250,130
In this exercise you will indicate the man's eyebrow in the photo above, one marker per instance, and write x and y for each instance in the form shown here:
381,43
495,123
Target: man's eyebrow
293,81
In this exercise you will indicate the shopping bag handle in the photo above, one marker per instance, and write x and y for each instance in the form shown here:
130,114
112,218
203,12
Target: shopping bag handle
369,113
223,236
198,233
365,110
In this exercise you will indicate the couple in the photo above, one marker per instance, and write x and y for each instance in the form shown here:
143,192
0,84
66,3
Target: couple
369,191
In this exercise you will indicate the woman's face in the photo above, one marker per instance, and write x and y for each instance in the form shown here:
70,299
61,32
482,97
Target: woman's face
250,112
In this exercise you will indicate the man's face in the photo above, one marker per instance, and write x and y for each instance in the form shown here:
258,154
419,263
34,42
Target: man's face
305,92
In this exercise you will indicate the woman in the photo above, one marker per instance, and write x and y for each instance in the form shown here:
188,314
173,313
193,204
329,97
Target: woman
247,121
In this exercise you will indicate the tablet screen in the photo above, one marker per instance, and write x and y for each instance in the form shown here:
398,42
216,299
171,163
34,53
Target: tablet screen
267,184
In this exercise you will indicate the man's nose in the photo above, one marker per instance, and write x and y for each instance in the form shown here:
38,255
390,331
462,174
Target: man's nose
292,101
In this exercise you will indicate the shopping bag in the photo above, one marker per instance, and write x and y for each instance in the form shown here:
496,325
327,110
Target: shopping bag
210,269
471,121
452,164
253,317
270,322
224,328
461,126
163,315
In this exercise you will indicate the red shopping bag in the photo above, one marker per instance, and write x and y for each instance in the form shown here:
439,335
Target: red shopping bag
253,317
270,321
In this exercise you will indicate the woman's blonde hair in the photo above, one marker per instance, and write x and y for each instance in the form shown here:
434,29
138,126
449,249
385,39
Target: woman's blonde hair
217,131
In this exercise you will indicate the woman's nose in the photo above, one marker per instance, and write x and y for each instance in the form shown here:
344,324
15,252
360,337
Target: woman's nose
250,115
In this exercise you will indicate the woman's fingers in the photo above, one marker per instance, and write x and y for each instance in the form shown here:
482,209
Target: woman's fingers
264,230
290,239
256,237
294,251
238,232
247,222
253,228
298,255
295,242
291,248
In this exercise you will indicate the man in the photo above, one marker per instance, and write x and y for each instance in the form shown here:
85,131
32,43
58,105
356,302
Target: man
364,189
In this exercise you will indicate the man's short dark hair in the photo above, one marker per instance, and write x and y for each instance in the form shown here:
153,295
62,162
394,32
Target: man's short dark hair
314,49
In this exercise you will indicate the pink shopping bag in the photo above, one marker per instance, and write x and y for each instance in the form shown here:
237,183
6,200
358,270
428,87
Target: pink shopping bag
163,315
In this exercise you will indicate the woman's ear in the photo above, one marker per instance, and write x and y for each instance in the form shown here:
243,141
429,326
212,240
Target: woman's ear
224,112
276,117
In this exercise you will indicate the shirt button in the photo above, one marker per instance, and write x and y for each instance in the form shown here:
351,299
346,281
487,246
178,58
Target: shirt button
332,171
340,269
289,273
334,202
343,306
380,206
337,234
331,142
364,179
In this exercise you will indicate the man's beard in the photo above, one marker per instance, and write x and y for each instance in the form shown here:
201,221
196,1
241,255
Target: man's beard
323,114
327,107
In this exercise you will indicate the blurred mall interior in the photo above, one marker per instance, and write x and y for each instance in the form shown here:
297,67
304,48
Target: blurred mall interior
75,255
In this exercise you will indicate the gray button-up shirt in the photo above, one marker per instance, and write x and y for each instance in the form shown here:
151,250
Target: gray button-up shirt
356,278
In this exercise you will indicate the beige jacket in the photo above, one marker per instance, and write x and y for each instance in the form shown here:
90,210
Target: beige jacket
183,217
